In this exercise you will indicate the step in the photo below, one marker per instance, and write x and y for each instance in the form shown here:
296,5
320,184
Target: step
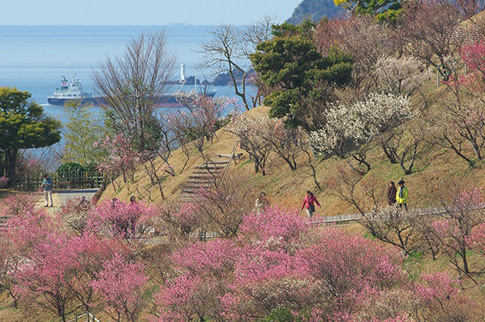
216,162
210,168
190,191
201,179
203,176
230,156
198,186
208,171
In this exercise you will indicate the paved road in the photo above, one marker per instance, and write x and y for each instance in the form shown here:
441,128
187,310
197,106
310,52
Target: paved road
60,197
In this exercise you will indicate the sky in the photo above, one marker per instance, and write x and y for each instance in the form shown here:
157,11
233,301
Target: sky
142,12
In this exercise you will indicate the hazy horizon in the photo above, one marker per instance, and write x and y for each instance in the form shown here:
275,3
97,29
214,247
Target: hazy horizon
142,12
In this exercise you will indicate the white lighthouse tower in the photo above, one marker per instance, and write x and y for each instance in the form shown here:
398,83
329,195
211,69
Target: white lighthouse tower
182,73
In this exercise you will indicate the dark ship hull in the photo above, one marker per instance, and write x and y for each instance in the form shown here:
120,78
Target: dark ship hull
97,101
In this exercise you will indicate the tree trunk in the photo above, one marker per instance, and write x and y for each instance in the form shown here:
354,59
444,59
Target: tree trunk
11,165
361,159
389,153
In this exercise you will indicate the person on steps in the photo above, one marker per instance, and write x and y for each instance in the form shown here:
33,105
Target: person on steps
309,204
391,193
402,195
47,189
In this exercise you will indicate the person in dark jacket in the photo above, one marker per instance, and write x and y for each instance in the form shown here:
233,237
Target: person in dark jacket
391,193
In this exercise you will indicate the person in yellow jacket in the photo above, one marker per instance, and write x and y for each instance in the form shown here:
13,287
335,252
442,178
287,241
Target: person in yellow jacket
402,195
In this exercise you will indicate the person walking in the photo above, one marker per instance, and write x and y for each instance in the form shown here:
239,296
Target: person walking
309,204
47,189
402,195
391,193
261,204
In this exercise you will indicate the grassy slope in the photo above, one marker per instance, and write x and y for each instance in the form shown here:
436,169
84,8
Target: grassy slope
287,188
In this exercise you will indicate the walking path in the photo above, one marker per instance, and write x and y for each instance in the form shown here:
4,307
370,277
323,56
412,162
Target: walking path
348,219
60,197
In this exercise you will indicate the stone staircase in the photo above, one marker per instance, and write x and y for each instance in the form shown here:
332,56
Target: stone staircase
3,223
205,176
208,174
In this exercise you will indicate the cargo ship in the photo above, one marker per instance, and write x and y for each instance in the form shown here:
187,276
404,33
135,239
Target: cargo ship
71,90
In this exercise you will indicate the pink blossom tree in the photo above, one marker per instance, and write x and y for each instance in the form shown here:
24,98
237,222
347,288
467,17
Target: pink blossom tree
121,285
9,263
277,261
200,116
453,231
439,294
120,157
46,277
116,218
477,238
44,264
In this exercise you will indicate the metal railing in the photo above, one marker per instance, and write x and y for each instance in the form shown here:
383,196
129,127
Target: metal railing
88,317
62,180
344,219
230,161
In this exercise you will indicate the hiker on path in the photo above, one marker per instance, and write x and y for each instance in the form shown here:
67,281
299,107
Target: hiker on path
47,189
133,215
262,203
391,193
402,195
309,204
114,202
83,204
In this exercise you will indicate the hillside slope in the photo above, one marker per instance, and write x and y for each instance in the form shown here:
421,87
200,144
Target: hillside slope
287,188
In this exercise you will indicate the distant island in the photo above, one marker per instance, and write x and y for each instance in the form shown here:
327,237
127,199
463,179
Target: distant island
315,10
222,79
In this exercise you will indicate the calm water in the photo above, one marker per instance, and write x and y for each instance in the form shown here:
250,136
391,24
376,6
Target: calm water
34,58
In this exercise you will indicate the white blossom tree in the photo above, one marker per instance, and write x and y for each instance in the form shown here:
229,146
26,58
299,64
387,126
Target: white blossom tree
401,76
350,129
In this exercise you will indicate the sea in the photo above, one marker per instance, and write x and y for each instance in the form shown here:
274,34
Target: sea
34,58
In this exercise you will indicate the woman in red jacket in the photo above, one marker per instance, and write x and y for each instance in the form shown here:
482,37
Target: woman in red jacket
309,203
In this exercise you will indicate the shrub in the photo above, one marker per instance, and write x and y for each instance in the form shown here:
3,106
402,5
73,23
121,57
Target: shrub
3,182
